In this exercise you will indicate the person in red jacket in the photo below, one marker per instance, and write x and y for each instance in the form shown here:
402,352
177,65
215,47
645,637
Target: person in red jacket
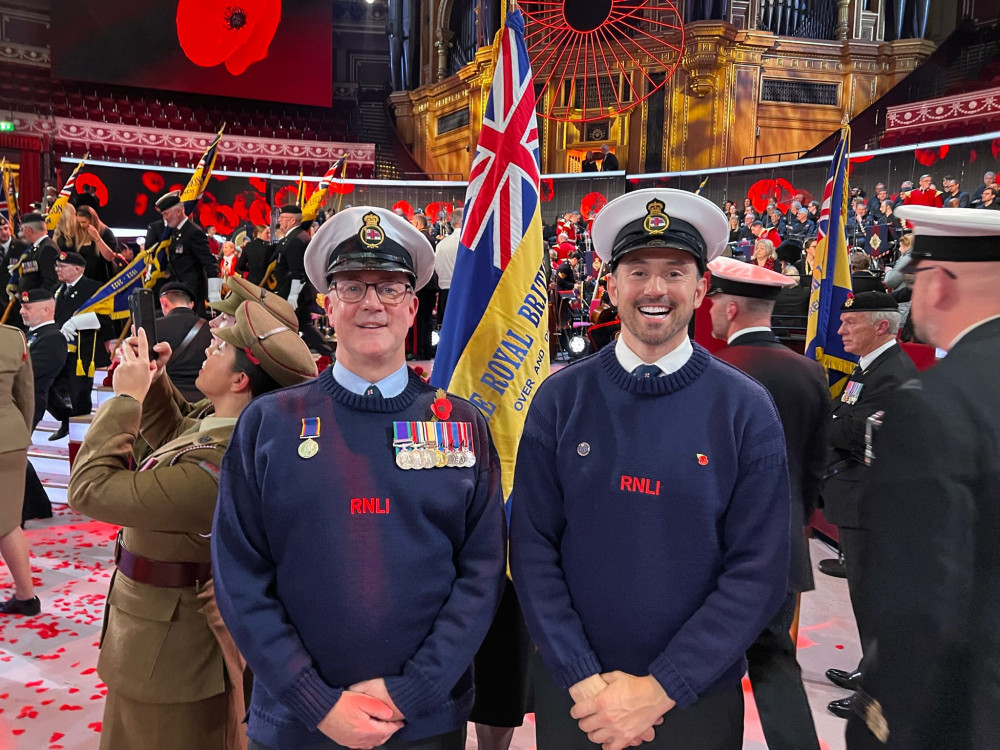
925,195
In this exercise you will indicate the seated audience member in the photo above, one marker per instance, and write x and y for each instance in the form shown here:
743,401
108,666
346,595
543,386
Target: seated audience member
734,229
863,279
227,264
764,254
989,198
989,178
187,333
564,247
801,228
808,262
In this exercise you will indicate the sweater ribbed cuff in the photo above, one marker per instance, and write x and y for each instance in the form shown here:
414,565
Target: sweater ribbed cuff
672,682
310,698
412,693
567,675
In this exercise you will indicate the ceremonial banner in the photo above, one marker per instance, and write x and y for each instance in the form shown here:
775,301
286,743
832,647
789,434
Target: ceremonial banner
112,298
10,196
54,214
311,210
831,282
494,340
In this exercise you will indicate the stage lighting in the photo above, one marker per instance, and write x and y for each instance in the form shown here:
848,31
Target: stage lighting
577,346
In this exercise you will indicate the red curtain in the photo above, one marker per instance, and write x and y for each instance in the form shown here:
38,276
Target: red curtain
30,146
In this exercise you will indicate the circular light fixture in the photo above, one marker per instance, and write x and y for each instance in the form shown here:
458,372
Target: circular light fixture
599,57
577,346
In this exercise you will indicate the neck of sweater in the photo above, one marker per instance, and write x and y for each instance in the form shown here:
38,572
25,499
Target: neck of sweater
341,395
659,386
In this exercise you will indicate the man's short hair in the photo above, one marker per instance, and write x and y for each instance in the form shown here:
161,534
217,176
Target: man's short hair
563,237
456,218
178,297
757,224
895,320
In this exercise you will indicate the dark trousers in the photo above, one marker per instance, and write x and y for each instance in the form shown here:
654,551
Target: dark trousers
36,500
777,685
714,722
424,323
854,544
442,304
450,741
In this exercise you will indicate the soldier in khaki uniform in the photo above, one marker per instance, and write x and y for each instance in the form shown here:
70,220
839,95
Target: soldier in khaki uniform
174,679
17,408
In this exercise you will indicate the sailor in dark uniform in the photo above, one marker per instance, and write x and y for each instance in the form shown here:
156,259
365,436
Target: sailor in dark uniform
290,254
932,499
190,260
869,324
85,336
48,355
392,525
742,299
38,262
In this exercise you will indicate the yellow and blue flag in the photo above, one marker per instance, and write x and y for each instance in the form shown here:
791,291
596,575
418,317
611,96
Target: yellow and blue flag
494,347
202,174
54,214
831,282
9,204
112,298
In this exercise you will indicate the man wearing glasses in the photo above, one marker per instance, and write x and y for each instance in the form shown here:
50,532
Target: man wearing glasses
933,499
359,542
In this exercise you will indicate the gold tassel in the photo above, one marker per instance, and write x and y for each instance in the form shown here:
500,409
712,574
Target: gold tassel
79,354
93,356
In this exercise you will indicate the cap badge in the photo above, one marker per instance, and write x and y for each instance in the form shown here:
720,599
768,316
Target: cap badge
371,234
62,255
656,221
849,302
24,297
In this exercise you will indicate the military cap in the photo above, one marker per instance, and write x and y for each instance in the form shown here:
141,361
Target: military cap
178,287
953,234
168,200
35,295
365,238
291,208
241,290
32,218
269,344
660,218
870,302
731,276
72,259
789,251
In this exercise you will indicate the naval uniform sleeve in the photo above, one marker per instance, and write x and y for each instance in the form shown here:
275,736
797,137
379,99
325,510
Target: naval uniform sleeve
246,584
920,499
754,574
163,498
461,624
537,524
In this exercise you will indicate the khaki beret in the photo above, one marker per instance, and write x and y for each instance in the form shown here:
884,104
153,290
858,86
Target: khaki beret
241,290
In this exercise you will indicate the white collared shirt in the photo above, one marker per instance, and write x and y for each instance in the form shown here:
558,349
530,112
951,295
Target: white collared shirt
866,361
668,363
750,329
390,386
35,328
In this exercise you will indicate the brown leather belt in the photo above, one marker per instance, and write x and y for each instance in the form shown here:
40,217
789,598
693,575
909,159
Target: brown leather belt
168,575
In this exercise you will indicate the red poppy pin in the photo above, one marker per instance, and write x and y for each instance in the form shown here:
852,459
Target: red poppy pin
702,459
441,407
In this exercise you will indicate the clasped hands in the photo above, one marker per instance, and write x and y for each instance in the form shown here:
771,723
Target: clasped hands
618,710
365,716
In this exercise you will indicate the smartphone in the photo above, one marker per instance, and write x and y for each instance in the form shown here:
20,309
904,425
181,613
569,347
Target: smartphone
140,304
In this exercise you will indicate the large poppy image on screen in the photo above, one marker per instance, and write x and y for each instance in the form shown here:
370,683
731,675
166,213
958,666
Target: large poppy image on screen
236,33
250,49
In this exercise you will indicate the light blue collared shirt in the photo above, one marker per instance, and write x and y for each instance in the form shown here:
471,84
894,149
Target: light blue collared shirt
389,386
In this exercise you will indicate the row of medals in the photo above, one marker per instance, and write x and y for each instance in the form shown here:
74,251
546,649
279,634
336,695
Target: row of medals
416,457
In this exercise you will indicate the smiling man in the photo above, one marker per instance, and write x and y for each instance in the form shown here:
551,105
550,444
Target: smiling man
359,542
650,511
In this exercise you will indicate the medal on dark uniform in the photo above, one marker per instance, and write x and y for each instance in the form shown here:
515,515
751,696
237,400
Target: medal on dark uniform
310,430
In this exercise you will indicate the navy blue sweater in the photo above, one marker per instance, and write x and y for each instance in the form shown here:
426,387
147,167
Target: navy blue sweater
322,586
649,522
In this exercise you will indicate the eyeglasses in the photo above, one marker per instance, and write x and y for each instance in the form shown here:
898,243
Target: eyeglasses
388,292
947,273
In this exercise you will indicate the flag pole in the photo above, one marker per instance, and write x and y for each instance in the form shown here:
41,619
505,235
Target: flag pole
343,176
6,313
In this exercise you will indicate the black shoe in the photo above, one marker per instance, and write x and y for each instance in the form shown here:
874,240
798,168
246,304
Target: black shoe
62,432
842,708
844,679
832,567
14,606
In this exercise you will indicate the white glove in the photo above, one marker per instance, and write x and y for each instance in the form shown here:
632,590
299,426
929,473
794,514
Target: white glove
85,322
293,295
214,290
